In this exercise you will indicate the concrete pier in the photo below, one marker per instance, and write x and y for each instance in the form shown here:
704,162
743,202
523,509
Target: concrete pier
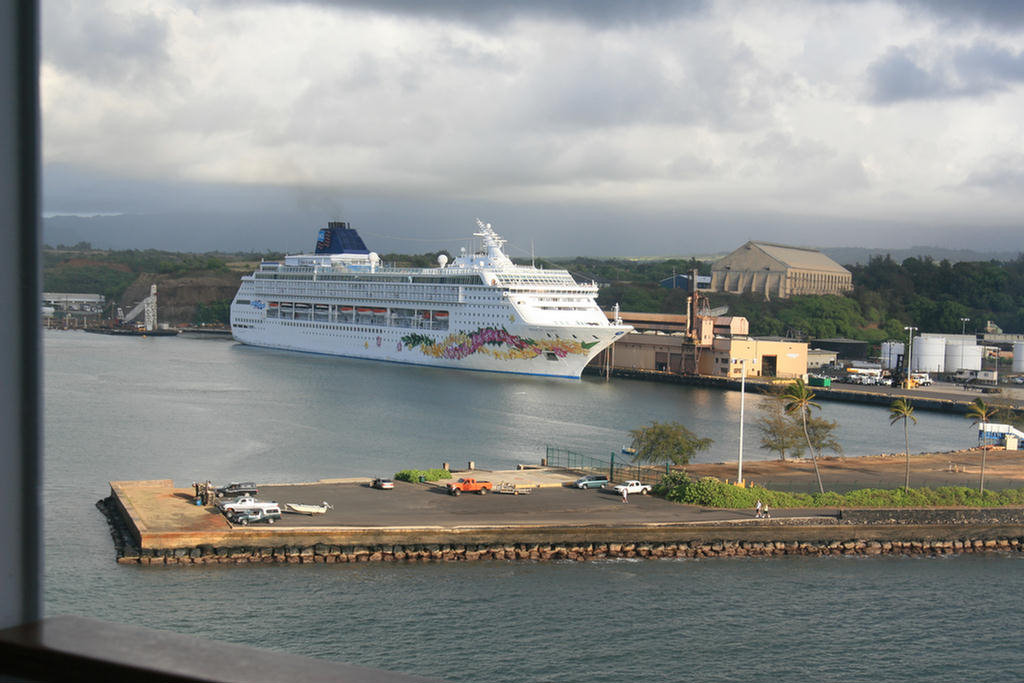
154,522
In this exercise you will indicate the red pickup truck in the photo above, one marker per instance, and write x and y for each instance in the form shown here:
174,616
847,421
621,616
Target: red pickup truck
467,485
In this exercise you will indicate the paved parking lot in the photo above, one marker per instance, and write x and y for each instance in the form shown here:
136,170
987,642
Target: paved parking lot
159,508
424,505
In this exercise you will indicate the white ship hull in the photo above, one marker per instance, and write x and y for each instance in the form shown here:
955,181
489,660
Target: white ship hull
482,312
548,354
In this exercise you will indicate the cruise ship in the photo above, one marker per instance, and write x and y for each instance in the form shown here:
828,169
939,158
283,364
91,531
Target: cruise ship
478,312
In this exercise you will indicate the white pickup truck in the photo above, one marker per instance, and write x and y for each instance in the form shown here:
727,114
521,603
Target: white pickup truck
632,486
247,504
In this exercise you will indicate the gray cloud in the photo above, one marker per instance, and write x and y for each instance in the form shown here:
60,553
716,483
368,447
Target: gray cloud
597,14
1000,173
896,77
358,105
96,43
1006,15
977,69
984,66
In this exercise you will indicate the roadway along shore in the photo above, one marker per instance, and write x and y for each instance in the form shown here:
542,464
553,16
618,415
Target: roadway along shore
939,397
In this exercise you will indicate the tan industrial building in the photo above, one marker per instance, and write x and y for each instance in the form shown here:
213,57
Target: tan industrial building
675,353
784,358
778,271
699,343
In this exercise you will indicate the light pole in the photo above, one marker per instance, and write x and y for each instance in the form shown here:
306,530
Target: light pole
910,353
743,395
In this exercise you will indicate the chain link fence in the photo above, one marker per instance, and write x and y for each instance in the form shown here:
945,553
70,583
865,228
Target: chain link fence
617,467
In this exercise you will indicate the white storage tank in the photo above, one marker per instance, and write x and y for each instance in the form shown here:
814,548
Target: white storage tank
1018,356
891,352
929,354
973,356
962,356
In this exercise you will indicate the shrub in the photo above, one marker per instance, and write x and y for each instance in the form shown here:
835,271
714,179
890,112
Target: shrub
711,492
435,474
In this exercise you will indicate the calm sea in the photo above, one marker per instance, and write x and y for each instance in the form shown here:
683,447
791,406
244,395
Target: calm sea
196,409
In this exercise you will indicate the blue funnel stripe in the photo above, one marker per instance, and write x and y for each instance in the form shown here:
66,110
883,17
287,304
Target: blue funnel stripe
338,238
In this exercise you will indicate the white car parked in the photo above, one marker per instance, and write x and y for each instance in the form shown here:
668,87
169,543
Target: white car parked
632,486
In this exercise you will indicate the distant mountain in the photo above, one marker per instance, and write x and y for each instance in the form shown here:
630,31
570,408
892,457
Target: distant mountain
860,255
184,232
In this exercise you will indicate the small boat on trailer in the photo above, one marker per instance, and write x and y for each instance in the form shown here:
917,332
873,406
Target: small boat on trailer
311,510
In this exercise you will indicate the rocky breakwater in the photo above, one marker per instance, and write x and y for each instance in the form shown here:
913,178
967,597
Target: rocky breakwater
327,554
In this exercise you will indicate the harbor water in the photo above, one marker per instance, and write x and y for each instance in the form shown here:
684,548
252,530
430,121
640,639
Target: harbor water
197,409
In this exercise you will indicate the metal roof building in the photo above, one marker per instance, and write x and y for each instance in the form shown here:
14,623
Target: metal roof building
682,281
778,271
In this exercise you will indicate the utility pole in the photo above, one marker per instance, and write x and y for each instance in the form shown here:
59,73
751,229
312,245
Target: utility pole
910,353
743,395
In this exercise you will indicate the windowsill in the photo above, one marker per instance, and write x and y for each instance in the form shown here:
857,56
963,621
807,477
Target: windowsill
80,648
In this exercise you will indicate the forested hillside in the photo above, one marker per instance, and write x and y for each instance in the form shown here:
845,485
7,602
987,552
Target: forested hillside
930,295
193,287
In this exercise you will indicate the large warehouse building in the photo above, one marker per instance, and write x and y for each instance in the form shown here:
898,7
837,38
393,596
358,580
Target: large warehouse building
778,271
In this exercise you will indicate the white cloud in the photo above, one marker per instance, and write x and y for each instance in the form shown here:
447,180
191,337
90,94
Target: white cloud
874,110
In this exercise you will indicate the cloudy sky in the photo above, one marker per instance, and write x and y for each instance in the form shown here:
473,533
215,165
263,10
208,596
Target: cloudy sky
589,127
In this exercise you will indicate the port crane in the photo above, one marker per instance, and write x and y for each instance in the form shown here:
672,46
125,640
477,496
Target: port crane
147,307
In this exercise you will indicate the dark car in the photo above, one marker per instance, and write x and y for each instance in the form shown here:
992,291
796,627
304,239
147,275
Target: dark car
591,481
235,488
268,514
383,484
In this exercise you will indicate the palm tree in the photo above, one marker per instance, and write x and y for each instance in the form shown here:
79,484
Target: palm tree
901,410
799,398
981,413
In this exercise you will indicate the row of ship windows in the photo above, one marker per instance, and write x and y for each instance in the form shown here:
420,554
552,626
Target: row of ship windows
564,308
307,276
334,328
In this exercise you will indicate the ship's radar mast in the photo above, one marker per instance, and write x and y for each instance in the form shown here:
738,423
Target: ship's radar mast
492,244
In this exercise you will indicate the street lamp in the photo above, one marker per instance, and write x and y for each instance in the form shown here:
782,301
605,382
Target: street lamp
910,353
743,395
963,325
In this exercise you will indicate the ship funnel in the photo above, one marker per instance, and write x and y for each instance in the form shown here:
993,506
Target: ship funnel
339,238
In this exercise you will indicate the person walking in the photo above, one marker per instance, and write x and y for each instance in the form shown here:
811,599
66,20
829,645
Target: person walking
625,495
757,510
765,513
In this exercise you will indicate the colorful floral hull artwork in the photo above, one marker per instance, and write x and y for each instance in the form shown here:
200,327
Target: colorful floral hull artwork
494,342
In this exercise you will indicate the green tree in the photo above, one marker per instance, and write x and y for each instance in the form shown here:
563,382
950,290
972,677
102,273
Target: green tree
779,432
799,399
213,313
901,410
666,442
981,413
821,432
